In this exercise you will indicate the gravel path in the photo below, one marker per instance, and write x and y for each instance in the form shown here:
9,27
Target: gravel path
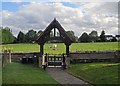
63,77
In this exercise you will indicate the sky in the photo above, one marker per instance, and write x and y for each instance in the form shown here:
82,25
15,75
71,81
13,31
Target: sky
79,17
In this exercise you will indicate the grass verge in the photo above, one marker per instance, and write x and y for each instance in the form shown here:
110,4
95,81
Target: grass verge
17,73
98,74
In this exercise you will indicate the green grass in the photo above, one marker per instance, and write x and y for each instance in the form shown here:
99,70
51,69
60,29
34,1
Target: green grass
61,47
94,46
0,72
17,73
96,73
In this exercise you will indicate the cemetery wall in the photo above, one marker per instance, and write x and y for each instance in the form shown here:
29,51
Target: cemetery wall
95,56
89,56
17,56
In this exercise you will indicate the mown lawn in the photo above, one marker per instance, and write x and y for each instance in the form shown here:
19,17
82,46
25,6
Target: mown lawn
17,73
98,74
61,47
0,72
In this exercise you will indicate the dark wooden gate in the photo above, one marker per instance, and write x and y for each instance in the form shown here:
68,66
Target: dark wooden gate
55,60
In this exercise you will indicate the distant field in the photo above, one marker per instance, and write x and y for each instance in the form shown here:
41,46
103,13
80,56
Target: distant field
61,47
96,73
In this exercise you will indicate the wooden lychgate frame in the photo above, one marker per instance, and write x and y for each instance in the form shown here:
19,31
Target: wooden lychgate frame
45,36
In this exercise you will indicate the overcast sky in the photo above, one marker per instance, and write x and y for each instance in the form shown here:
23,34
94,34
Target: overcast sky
80,17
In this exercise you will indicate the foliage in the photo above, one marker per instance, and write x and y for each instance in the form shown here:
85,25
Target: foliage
39,33
93,36
17,73
21,37
15,40
84,38
7,36
71,34
102,36
0,35
30,36
96,73
113,39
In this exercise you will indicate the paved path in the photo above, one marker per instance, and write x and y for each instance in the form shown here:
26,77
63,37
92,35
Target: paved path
64,78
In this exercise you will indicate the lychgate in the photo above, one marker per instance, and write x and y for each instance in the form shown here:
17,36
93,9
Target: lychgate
46,36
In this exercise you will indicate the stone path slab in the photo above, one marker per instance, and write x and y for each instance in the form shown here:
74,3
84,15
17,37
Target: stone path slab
63,77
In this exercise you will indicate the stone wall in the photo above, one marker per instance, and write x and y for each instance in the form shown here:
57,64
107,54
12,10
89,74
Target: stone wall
77,56
95,56
17,56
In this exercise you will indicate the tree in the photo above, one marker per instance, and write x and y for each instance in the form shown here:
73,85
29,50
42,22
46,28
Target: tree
84,38
71,34
114,39
7,36
93,36
21,37
15,40
0,35
39,32
30,36
102,36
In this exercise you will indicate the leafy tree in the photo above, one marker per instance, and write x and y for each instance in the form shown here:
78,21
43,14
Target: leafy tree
84,37
93,36
0,35
21,37
114,39
30,36
71,34
15,40
7,36
39,32
102,36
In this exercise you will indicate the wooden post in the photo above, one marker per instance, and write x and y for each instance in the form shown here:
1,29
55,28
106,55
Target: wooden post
4,59
40,61
67,56
63,58
9,58
67,61
41,54
54,32
41,49
67,50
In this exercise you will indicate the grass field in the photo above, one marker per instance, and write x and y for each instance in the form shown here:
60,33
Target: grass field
96,73
17,73
61,47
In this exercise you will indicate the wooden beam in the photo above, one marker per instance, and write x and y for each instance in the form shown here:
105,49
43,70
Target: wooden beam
67,50
41,49
54,32
54,38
